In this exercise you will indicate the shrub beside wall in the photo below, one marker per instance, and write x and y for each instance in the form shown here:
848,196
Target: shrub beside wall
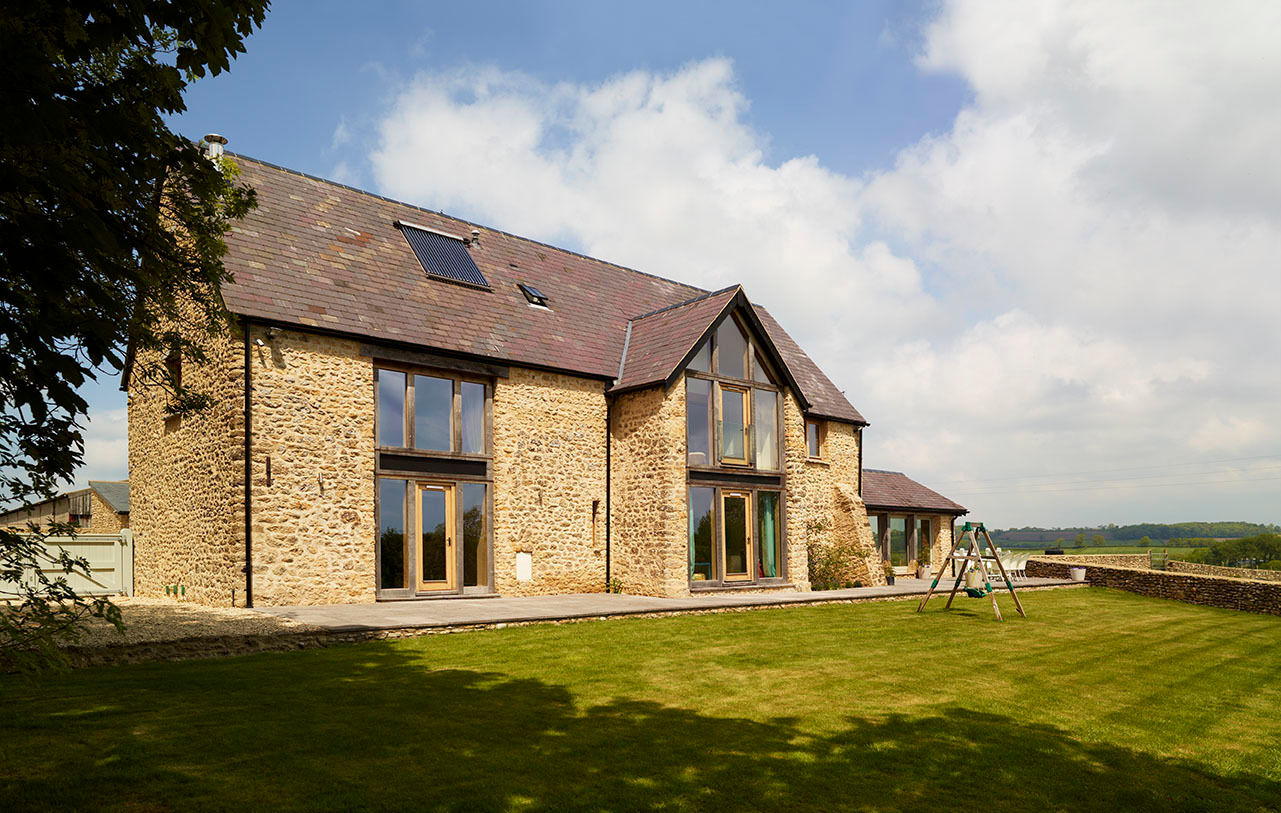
1212,591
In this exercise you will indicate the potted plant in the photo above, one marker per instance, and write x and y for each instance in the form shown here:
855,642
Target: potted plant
923,564
888,567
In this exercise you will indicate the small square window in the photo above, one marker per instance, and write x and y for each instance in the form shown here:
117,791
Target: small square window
533,295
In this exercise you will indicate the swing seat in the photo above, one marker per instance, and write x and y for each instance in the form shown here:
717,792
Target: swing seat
974,592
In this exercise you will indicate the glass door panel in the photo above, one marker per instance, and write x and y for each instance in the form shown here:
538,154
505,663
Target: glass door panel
737,536
475,543
768,551
898,541
436,559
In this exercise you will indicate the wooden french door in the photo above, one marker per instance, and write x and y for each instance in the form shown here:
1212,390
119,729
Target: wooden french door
436,521
736,535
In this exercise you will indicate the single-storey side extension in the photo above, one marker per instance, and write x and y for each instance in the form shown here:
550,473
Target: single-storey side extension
414,406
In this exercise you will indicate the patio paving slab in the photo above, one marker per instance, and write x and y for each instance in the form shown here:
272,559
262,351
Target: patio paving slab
470,612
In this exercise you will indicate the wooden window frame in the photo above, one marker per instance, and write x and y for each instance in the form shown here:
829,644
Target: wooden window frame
719,581
434,460
820,436
748,436
748,520
750,386
455,416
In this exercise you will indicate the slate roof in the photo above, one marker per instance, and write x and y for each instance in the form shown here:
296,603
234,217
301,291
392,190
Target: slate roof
658,342
894,490
114,493
326,256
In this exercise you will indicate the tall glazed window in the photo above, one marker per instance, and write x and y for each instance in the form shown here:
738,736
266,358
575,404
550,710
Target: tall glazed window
702,533
391,534
768,536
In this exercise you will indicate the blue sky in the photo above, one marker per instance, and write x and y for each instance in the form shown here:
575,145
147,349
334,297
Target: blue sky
991,224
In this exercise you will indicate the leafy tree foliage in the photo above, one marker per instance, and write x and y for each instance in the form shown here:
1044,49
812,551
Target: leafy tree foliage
111,232
1262,551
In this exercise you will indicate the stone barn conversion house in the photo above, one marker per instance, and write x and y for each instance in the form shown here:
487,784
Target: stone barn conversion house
415,406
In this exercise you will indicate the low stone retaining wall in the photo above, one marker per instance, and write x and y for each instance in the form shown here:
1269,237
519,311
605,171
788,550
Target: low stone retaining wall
1140,560
1212,591
1218,570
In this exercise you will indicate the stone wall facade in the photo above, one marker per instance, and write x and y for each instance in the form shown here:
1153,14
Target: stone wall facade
313,482
186,483
1213,591
649,537
313,418
1176,566
549,482
103,519
823,506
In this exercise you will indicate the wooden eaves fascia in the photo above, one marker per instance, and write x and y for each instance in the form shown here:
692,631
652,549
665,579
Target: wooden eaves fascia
873,508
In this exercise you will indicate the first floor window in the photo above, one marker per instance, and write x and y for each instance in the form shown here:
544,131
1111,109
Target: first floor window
814,438
734,425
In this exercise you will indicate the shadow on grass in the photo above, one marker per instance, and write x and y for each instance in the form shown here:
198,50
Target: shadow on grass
372,728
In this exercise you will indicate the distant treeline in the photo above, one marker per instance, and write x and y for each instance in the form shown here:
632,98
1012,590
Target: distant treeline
1172,534
1262,552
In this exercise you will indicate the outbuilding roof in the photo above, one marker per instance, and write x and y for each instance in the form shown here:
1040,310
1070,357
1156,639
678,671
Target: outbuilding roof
114,493
895,491
325,256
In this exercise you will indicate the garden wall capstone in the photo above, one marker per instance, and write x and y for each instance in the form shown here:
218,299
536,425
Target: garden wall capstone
1212,591
1219,570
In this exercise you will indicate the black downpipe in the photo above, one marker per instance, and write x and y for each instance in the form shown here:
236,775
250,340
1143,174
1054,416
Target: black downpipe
249,448
609,411
860,461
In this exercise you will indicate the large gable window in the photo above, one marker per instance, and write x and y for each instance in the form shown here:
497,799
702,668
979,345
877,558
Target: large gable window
732,403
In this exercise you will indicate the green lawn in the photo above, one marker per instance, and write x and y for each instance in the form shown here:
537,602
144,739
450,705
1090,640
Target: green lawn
1101,700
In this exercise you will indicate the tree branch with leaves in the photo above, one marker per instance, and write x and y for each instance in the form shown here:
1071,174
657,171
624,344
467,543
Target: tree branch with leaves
111,245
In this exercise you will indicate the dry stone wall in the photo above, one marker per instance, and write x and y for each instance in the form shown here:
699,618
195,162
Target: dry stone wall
1213,591
650,522
823,505
313,522
186,480
549,482
1175,566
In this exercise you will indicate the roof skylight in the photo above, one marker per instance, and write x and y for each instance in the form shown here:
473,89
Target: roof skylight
533,295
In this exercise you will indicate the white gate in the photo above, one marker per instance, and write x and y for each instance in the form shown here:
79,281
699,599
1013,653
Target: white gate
110,558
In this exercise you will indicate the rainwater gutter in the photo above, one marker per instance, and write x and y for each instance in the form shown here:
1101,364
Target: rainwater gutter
249,448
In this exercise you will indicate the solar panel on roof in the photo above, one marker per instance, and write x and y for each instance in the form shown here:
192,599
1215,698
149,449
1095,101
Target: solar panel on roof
443,256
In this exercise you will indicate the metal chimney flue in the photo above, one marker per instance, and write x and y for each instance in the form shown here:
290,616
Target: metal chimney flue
215,143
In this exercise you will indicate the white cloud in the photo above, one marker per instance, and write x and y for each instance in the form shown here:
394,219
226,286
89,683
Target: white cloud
1084,268
106,453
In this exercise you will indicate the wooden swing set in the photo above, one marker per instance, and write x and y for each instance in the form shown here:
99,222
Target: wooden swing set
975,560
